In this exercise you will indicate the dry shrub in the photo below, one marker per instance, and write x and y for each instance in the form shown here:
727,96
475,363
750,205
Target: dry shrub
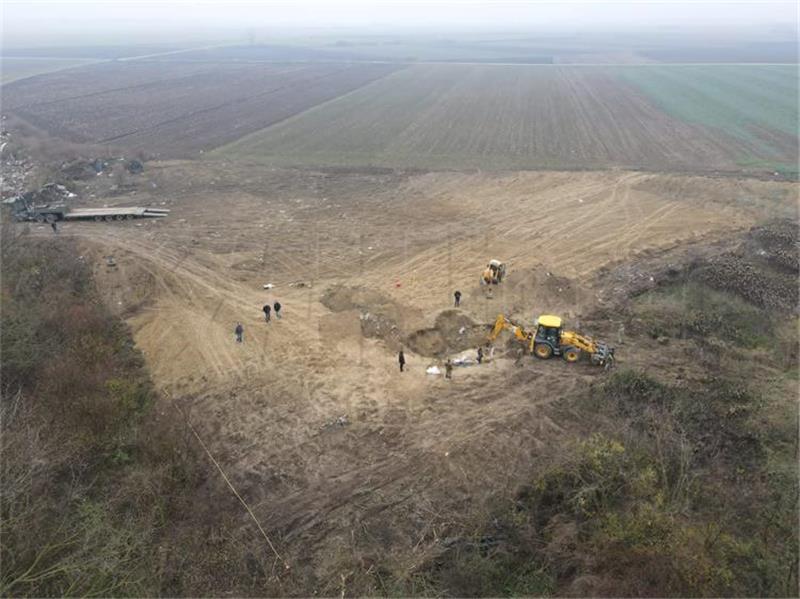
101,493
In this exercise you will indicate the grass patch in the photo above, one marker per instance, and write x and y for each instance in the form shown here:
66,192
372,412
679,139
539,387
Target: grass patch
693,310
101,494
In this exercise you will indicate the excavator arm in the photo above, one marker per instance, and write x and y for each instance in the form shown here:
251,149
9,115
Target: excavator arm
582,342
502,323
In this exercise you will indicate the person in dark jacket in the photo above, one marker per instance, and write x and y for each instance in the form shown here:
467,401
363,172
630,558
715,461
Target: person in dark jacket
266,309
480,355
401,359
457,296
277,308
448,369
239,332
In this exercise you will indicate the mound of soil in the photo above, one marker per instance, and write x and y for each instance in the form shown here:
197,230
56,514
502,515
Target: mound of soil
528,292
761,266
764,288
340,298
453,331
381,317
777,243
763,271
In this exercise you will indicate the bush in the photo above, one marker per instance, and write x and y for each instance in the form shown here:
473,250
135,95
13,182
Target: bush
97,488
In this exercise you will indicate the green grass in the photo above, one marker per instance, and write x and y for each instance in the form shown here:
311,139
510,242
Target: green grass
756,104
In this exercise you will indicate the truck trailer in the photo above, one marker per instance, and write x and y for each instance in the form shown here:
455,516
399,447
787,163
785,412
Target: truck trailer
24,211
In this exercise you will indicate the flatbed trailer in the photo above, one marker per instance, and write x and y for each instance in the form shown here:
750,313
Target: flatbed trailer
50,214
108,214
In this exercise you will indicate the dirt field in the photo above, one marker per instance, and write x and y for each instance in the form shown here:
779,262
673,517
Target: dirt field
496,117
20,68
310,416
176,109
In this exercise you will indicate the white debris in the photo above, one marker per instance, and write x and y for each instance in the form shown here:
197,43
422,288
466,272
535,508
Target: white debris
433,370
462,330
268,286
466,358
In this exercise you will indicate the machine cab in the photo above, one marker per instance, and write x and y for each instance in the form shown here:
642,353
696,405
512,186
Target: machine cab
548,330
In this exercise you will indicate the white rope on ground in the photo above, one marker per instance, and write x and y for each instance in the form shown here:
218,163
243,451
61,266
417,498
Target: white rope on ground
230,485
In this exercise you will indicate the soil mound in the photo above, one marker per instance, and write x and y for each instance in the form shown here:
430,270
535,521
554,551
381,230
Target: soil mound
763,271
381,317
340,298
777,243
453,331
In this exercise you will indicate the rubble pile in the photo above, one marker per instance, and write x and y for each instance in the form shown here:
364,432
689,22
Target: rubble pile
763,271
83,169
50,194
16,170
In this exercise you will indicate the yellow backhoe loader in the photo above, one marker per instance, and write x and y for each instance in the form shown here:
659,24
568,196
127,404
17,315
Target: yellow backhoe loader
550,339
494,273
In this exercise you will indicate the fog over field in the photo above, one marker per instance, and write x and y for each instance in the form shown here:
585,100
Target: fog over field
35,22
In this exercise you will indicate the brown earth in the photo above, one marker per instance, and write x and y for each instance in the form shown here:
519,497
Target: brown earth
417,453
179,109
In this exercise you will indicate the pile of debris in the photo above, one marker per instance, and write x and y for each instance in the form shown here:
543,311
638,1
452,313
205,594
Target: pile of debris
16,169
83,169
48,195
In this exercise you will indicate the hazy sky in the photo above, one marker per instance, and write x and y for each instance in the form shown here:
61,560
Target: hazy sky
33,21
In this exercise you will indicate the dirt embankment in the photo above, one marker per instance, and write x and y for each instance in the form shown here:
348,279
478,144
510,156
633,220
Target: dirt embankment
380,316
383,318
760,266
453,331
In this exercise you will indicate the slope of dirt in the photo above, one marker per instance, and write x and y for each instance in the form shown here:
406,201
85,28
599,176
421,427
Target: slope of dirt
452,331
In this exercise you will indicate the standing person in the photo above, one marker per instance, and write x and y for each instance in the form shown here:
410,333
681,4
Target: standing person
448,369
239,332
277,308
457,296
54,226
401,359
480,355
266,309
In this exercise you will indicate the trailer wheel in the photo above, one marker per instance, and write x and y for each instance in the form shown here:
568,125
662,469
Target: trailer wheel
39,218
129,217
108,218
97,219
120,217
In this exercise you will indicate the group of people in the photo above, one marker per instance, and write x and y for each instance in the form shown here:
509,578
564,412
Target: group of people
448,365
268,311
275,308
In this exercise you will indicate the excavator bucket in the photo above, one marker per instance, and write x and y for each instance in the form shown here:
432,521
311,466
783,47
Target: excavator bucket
604,356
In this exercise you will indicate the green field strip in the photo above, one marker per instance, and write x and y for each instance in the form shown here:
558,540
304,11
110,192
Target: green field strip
728,98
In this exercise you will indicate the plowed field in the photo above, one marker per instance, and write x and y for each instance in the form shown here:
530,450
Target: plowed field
175,109
458,116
